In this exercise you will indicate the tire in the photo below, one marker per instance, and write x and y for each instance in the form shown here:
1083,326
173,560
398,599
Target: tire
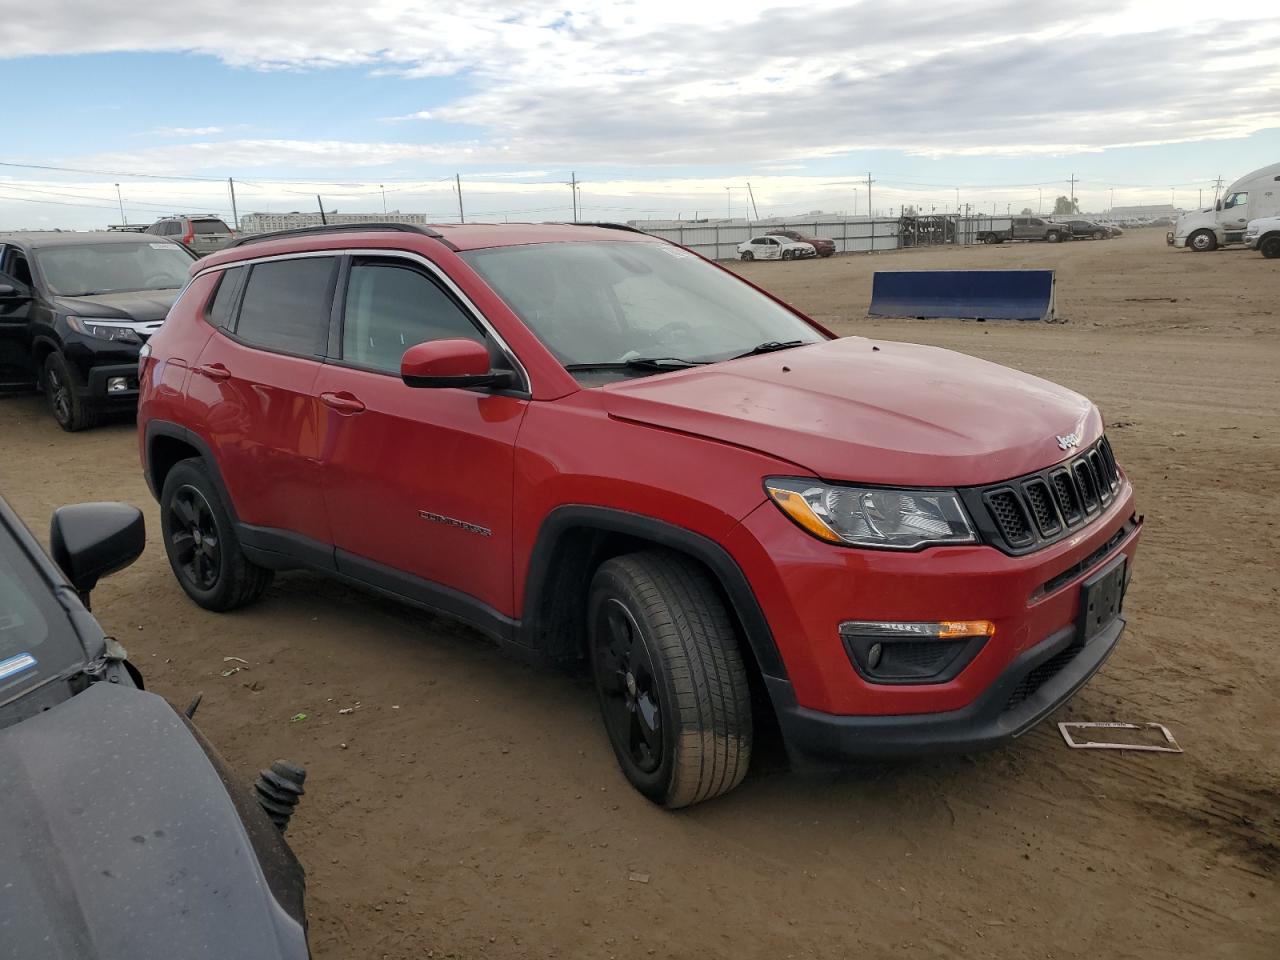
1098,235
990,238
192,516
748,255
1202,241
786,254
1270,247
71,412
663,646
1053,236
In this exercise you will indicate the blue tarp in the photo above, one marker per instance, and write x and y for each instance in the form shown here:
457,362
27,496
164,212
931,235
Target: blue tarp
963,294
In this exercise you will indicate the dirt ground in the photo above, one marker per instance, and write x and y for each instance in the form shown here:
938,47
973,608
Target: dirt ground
470,806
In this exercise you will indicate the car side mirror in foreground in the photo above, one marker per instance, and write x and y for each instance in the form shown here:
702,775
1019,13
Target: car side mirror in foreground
451,363
91,540
10,292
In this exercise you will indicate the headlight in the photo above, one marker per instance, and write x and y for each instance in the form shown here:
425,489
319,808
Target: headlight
872,517
119,330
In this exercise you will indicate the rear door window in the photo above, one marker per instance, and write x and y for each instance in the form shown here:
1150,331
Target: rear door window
286,305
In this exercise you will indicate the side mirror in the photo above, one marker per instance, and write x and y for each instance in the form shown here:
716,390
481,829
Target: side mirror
90,540
9,291
450,363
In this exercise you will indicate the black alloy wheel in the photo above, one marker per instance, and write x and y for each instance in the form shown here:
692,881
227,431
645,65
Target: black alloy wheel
630,700
193,538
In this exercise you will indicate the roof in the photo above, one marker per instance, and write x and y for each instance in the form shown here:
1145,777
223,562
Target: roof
392,236
56,239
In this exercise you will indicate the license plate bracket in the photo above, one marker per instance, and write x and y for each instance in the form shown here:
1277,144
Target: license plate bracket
1102,598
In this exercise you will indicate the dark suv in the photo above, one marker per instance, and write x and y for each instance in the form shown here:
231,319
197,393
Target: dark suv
74,308
124,834
1088,230
597,446
200,234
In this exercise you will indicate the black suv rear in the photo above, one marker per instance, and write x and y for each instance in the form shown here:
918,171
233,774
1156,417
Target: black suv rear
74,310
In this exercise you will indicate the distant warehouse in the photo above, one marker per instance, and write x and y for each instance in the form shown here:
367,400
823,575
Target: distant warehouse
265,222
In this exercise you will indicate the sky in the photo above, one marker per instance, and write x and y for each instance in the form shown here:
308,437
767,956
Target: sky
660,109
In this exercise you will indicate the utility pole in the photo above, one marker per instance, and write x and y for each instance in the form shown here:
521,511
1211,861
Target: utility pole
1040,202
1073,193
457,182
1113,198
235,216
1199,197
320,203
1172,202
869,183
123,219
728,203
1217,185
754,211
957,199
573,186
383,188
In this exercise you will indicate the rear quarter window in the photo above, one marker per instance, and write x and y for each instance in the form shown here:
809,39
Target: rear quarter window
222,307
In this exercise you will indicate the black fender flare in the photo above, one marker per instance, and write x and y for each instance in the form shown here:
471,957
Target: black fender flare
718,560
165,428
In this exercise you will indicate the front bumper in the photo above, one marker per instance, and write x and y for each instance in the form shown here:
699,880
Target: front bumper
1003,713
806,588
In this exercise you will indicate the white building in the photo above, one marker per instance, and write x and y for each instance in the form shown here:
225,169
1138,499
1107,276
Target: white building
266,222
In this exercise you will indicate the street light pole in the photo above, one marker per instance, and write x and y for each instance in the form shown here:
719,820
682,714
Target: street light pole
123,219
383,188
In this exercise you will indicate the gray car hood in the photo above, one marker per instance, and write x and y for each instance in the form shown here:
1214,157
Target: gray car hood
118,840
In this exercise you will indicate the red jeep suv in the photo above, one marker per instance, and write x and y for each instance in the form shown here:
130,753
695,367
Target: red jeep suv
597,446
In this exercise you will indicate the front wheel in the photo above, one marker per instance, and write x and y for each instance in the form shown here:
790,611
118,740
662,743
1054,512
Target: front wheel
1202,241
1053,236
670,677
748,255
786,254
1270,247
1098,234
201,542
72,412
989,238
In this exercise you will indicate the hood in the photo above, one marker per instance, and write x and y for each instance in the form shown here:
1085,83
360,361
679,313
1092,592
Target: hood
118,840
870,411
142,306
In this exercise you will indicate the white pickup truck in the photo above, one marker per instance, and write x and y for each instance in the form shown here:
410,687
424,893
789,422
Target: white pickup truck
1263,235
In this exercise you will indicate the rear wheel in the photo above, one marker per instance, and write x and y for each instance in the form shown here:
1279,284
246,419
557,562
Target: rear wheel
1270,247
201,542
670,677
989,238
1202,241
71,411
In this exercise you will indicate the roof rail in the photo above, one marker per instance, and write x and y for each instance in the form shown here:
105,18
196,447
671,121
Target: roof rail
605,224
336,228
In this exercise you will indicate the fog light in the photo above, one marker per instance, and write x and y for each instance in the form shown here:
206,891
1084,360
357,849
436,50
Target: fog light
912,652
117,384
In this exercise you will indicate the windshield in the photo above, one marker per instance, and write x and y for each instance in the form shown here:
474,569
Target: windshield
36,639
609,302
78,270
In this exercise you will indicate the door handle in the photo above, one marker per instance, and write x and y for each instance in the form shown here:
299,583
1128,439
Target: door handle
343,402
214,371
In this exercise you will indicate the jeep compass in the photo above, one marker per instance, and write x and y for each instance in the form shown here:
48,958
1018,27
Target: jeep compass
598,447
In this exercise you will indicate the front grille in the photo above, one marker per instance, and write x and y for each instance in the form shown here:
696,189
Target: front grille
1007,511
1030,512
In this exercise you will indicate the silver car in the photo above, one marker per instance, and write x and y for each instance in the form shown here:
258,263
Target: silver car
202,234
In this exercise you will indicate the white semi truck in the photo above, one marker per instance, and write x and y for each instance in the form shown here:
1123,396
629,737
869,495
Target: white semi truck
1253,196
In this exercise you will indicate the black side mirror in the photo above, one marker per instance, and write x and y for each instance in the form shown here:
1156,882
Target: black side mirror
9,291
90,540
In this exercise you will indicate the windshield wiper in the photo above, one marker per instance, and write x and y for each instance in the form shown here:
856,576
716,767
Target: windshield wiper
769,346
639,363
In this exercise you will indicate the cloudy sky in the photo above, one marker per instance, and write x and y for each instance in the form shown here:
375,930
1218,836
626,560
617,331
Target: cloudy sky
662,109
